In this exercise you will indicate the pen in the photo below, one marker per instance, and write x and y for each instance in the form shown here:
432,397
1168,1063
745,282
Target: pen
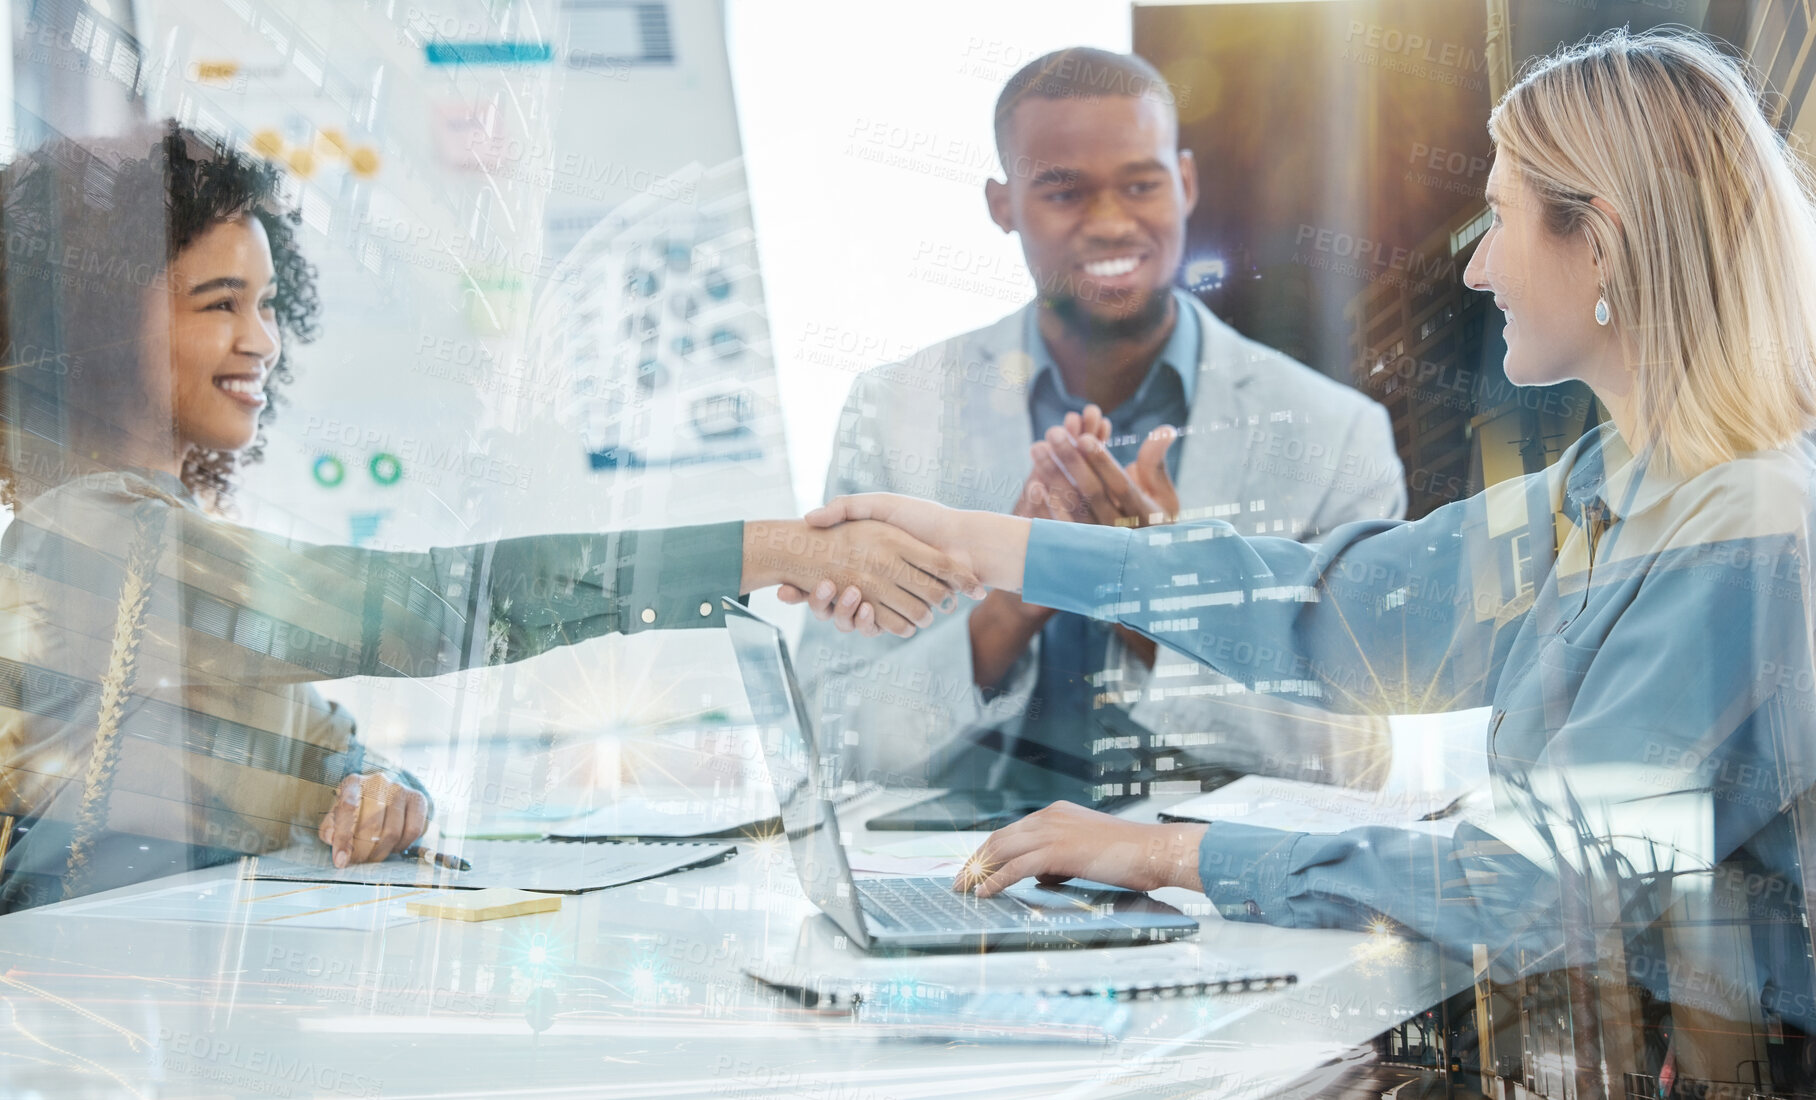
440,859
1449,808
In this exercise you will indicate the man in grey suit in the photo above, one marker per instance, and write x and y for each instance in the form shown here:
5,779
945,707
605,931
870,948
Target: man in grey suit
1012,695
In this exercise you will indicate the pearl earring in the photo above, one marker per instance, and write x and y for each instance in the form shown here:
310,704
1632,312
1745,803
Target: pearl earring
1601,312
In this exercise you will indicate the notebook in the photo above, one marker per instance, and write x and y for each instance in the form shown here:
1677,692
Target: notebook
825,963
818,989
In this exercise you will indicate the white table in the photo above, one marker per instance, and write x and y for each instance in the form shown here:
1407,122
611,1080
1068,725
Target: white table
648,1000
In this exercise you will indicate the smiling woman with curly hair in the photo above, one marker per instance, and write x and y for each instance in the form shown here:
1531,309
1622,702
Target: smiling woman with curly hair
156,661
91,231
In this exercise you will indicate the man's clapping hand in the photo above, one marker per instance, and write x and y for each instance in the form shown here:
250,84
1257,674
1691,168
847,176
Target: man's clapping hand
1080,482
1083,483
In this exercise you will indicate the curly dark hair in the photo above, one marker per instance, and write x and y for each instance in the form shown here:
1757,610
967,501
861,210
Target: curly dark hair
89,225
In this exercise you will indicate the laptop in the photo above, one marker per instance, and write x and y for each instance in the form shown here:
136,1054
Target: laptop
911,914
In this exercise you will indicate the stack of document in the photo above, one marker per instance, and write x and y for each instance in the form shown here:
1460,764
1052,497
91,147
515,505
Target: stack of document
677,812
546,865
1315,807
1439,774
647,812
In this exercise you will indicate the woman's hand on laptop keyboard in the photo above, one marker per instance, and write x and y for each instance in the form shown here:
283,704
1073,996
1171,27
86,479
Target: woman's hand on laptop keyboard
1066,841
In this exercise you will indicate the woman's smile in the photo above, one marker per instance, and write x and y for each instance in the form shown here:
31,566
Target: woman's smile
247,389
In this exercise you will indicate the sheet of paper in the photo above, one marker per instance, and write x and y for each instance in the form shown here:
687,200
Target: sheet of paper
1312,807
643,811
678,812
546,865
533,823
249,901
1440,770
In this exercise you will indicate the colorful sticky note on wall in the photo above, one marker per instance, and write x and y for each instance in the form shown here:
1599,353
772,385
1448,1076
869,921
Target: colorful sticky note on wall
488,53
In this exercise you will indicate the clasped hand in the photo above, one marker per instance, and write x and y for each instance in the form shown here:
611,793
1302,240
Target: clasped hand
890,580
1074,479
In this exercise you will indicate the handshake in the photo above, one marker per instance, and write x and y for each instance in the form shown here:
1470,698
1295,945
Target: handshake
877,562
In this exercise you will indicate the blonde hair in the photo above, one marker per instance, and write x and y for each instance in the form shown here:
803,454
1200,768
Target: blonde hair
1708,268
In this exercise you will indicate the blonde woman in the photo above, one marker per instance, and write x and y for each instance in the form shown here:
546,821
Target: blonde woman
1638,615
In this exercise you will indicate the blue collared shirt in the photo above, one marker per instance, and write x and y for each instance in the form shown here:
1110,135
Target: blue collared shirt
1643,638
1073,648
1164,396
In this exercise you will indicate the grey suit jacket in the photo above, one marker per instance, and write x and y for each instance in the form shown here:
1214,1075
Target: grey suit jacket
1270,446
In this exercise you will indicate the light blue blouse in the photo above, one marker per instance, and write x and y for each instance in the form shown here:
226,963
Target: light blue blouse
1643,638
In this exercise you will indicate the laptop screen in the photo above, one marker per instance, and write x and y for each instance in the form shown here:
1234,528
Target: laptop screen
794,768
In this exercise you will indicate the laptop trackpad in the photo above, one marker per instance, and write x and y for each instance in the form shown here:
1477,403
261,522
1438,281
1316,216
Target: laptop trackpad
1081,897
1071,894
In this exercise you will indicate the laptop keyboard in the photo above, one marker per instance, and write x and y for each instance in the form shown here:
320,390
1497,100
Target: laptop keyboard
930,905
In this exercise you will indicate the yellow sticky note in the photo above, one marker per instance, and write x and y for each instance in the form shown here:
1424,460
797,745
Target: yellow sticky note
491,904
